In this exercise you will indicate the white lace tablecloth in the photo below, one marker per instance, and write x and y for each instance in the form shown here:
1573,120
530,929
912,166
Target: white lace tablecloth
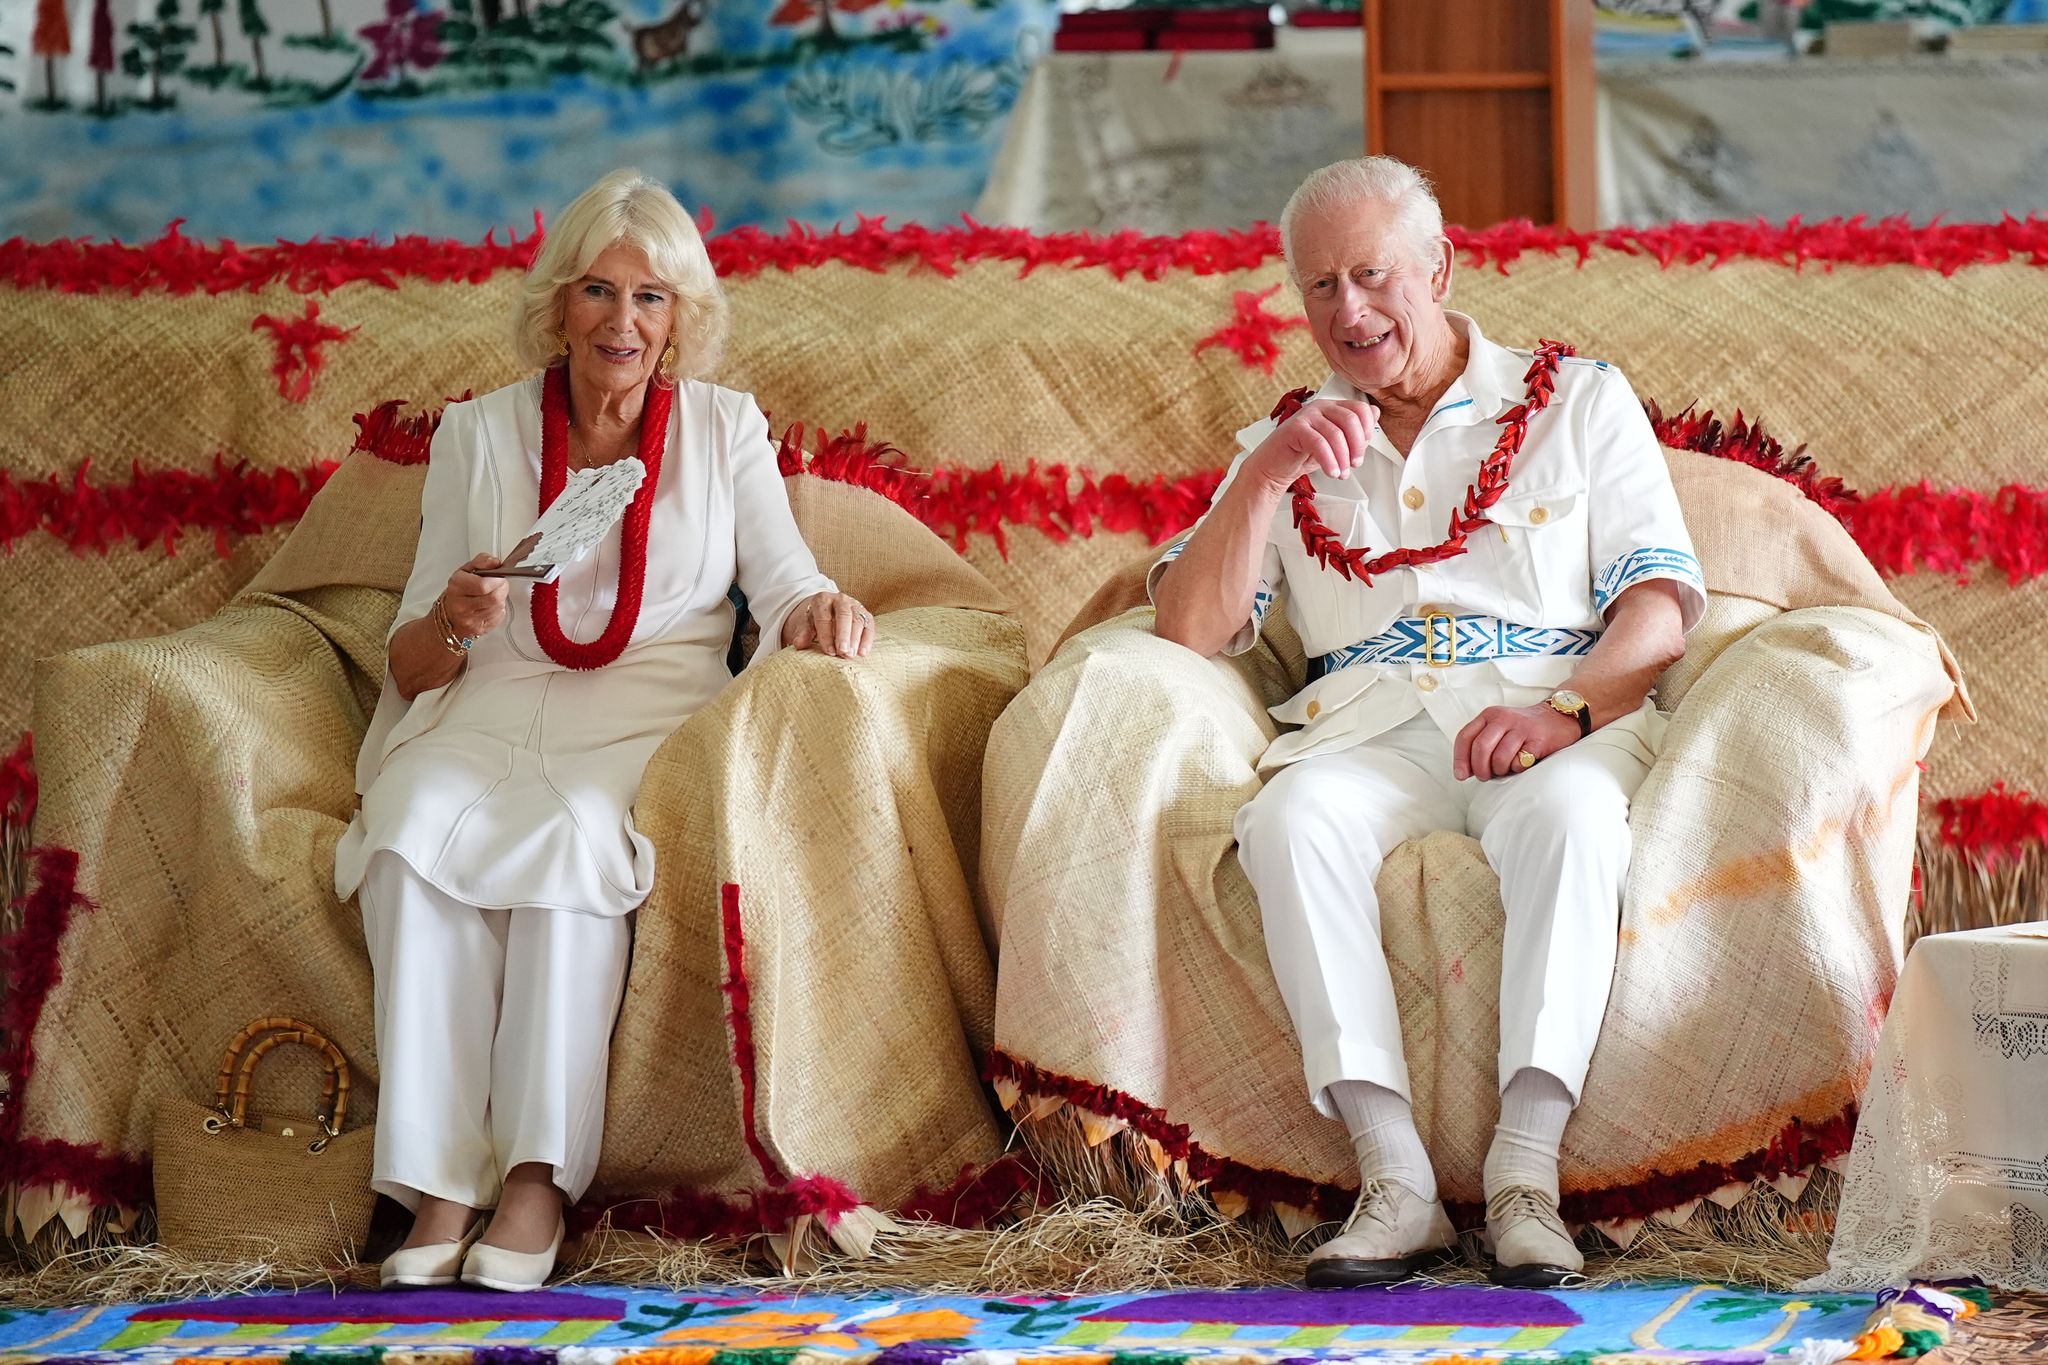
1949,1174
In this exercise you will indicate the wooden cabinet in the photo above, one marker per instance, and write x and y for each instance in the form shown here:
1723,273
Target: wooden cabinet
1494,98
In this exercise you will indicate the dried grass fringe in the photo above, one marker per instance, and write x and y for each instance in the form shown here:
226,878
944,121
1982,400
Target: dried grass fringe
1963,891
1095,1246
1765,1241
98,1268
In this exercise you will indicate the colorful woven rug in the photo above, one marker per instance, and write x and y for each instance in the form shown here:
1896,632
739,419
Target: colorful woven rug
599,1325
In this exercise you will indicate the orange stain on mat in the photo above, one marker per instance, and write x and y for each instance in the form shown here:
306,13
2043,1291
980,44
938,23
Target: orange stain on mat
1758,874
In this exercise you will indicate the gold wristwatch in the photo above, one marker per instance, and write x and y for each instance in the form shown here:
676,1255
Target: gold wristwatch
1566,702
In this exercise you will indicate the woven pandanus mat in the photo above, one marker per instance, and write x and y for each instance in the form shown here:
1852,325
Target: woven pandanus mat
1994,630
1891,373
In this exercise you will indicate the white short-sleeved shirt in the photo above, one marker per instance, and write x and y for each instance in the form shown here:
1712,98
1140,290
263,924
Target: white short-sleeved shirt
1589,513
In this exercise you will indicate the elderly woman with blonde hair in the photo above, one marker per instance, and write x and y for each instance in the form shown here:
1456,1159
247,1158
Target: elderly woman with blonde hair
495,854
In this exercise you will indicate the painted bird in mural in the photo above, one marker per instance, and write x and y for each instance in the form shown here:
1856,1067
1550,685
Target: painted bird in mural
654,44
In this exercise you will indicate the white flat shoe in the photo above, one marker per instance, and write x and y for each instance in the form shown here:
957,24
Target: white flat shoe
437,1263
515,1272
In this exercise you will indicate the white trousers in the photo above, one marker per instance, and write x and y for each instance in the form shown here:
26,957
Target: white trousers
493,1033
1312,842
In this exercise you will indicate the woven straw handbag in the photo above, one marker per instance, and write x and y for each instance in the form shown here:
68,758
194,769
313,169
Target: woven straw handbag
233,1186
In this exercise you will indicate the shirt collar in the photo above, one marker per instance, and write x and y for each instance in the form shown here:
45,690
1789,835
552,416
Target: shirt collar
1492,378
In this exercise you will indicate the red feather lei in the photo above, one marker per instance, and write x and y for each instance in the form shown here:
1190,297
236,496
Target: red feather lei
1328,549
554,477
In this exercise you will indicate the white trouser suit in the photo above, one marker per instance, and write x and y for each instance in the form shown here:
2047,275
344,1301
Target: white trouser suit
493,1034
1417,653
495,856
1314,838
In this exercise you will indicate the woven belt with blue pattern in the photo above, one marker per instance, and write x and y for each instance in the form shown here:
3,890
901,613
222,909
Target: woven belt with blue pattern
1441,639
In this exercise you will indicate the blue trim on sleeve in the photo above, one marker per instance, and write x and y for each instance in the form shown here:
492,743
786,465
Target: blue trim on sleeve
1640,566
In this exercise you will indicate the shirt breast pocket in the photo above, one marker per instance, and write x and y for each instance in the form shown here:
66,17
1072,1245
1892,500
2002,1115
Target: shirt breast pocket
1327,609
1540,550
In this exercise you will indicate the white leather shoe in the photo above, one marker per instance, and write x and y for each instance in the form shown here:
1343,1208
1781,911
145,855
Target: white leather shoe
436,1263
1392,1233
515,1272
1532,1248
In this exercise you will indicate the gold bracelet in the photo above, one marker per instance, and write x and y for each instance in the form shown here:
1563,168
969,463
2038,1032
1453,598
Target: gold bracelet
458,645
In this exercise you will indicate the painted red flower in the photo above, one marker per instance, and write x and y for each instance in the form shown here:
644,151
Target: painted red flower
405,37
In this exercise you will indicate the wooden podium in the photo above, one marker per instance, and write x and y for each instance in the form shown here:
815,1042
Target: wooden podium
1494,98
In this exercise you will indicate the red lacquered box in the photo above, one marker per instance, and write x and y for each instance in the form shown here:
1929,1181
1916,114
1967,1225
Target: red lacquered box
1327,18
1101,40
1232,28
1251,17
1107,30
1213,39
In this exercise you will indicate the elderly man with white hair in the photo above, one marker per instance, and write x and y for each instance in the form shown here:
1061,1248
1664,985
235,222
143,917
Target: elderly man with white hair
1483,554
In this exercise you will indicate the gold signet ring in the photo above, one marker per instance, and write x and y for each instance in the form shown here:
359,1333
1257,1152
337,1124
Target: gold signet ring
1526,759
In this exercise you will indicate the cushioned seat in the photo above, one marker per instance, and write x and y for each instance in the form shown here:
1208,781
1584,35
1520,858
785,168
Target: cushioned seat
1763,921
811,997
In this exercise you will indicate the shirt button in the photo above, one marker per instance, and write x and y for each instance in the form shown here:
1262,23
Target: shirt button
1538,515
1413,499
1426,682
1315,708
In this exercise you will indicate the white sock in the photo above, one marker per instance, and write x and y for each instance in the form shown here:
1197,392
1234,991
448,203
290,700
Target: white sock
1382,1128
1533,1110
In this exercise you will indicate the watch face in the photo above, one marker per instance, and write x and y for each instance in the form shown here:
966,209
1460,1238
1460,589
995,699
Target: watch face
1566,700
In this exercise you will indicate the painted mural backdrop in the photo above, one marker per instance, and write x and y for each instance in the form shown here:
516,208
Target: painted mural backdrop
256,119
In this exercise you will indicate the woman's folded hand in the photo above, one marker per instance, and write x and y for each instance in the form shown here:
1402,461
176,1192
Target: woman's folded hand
831,623
476,606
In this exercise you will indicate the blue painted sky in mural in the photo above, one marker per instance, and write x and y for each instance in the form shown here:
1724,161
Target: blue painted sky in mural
758,121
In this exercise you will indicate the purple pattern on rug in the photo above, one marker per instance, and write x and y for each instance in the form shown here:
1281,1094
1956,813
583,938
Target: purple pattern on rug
1389,1306
917,1353
412,1305
512,1355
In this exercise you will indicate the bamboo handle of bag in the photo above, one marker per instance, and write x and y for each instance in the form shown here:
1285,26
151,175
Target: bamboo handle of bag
235,1080
224,1082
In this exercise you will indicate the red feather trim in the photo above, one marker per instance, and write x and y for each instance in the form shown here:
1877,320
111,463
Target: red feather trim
401,440
1993,829
1918,527
18,788
1262,1186
176,264
1745,441
1797,1147
979,1195
1907,529
1252,334
300,346
179,265
28,958
158,505
738,1000
105,1178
